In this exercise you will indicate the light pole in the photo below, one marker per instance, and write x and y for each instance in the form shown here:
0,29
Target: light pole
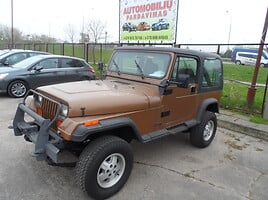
230,27
12,29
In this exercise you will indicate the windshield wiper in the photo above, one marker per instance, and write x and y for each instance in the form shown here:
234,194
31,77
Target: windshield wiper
139,67
116,65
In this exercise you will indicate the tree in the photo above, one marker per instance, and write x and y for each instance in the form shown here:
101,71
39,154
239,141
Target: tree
5,34
96,31
70,32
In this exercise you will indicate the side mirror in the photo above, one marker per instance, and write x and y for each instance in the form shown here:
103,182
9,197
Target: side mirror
6,63
183,80
38,68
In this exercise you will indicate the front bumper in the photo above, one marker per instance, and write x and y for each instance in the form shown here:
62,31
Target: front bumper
37,129
47,143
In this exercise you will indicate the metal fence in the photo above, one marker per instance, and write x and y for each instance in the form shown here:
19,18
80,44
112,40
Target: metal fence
101,52
96,52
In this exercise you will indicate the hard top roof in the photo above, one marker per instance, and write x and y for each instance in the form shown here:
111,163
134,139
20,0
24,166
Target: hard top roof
171,49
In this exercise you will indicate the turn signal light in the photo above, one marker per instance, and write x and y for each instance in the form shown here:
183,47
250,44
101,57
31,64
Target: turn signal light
58,123
91,123
39,111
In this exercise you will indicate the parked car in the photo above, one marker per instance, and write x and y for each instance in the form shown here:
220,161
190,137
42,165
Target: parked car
42,70
143,26
3,51
13,56
247,58
245,50
161,24
129,27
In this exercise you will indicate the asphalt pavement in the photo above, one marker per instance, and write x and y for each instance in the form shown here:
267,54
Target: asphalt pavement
234,166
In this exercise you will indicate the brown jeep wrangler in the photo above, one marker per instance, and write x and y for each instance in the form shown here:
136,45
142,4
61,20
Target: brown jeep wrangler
148,93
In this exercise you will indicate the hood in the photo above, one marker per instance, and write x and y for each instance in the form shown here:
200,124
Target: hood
6,69
103,97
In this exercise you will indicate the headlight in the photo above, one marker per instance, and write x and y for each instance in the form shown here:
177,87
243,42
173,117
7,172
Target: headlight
2,76
64,110
38,100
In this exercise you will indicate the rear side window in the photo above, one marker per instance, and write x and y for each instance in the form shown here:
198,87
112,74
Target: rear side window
16,58
68,63
212,75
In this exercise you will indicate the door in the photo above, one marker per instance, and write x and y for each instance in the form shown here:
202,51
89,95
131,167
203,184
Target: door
73,70
44,73
180,101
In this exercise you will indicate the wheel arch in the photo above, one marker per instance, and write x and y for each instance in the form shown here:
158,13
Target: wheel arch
120,127
210,104
19,79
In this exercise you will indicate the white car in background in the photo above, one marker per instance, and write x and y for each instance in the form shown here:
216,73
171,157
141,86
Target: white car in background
247,58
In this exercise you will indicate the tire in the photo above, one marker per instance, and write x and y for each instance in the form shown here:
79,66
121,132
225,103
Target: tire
202,135
238,62
104,167
262,65
17,89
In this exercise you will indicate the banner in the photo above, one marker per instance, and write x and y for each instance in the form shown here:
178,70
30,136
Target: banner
148,21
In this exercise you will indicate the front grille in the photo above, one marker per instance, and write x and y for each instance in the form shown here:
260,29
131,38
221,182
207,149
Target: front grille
49,110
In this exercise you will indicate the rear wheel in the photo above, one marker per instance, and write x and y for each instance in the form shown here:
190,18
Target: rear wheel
203,134
104,166
17,89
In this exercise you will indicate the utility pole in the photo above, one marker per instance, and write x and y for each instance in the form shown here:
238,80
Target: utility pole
252,89
12,28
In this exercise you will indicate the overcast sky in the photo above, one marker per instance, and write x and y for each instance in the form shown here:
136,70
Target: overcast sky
199,21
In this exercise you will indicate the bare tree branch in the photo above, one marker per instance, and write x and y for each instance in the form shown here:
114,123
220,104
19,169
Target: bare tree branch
96,30
70,32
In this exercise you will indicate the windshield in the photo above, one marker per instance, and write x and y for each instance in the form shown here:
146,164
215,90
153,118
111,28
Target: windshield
27,62
144,64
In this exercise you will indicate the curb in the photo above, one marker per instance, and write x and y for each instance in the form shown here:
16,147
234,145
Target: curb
242,124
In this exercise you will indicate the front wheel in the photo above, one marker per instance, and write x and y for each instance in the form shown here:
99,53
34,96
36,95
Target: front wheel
203,134
17,89
238,62
104,166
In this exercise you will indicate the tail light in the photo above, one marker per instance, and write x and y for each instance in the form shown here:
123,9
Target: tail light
91,69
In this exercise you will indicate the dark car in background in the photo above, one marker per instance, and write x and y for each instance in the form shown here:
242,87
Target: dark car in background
13,56
42,70
160,25
129,27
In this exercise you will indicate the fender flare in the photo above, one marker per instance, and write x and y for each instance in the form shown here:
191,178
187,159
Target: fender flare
210,104
82,132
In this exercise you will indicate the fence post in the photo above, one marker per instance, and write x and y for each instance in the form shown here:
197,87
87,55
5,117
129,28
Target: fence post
100,52
73,48
46,47
62,49
218,50
86,52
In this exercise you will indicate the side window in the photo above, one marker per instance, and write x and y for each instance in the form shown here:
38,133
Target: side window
185,66
212,75
15,58
49,63
68,62
33,54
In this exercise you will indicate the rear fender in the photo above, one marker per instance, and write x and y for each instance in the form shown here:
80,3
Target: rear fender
211,105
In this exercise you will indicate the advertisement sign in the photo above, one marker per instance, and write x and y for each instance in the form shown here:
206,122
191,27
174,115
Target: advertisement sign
148,21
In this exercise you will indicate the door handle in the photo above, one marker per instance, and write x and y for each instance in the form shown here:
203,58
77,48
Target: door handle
193,89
